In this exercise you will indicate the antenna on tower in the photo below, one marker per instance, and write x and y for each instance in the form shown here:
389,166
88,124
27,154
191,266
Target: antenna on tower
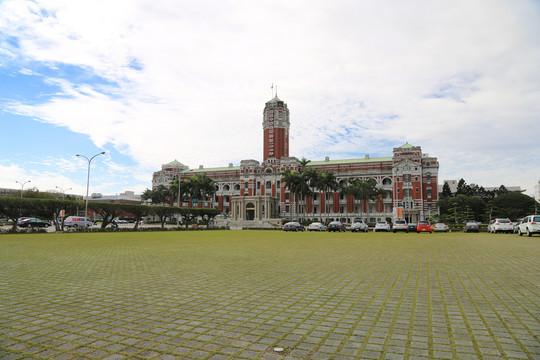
272,89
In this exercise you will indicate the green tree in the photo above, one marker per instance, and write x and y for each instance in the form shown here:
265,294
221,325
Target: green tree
164,212
446,192
139,211
311,177
159,195
513,205
107,211
292,181
201,187
303,164
327,183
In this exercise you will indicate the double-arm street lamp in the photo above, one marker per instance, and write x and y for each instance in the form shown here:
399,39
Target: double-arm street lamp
63,191
88,180
22,185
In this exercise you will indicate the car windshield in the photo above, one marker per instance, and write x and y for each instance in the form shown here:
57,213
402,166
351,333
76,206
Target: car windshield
536,218
504,221
423,223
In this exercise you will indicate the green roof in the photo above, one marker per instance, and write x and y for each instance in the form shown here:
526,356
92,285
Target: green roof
406,146
174,163
203,170
349,161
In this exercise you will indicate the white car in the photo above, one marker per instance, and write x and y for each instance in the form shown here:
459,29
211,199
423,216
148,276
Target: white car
440,227
400,225
529,225
317,226
381,226
77,221
359,225
500,225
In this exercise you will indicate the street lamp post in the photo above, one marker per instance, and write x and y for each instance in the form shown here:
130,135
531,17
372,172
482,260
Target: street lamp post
88,180
63,191
22,185
178,200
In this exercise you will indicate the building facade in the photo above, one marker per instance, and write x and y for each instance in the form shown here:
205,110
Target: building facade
255,190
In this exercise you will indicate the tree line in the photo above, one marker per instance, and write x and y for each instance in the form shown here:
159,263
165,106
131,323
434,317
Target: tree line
308,182
13,208
198,187
473,202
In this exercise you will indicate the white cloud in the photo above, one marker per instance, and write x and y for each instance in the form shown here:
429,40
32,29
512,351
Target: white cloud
188,80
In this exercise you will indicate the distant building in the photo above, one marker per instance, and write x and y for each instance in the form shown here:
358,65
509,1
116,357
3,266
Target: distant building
127,197
255,191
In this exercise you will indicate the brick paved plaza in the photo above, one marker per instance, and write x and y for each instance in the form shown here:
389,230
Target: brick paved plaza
240,294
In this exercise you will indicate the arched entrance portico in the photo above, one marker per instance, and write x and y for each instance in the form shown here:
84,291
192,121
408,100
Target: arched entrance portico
254,207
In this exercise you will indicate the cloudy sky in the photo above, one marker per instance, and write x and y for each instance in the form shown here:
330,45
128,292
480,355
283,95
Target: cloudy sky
152,81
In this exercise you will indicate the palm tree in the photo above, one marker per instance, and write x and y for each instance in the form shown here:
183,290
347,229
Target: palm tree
304,190
363,190
303,165
159,195
184,190
327,182
292,181
200,187
311,176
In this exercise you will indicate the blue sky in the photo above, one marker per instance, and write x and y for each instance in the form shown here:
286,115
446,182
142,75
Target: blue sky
152,81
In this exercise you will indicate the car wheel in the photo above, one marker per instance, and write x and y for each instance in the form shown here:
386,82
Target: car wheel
519,232
529,232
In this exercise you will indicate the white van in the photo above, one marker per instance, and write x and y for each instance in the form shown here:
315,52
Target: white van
77,221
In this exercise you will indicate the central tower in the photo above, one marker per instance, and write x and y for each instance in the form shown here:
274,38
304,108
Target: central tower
276,129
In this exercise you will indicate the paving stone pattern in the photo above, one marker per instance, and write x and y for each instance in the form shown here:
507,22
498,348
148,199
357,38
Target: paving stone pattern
239,294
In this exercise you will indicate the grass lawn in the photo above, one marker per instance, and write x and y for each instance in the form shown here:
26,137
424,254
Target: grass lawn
240,294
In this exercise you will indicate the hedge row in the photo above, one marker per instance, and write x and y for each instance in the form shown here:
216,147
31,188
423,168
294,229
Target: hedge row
13,208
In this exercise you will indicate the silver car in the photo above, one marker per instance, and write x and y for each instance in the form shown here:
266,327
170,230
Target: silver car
317,226
359,225
381,226
400,225
500,225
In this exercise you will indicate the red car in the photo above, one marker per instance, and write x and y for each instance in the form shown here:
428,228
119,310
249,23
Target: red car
423,226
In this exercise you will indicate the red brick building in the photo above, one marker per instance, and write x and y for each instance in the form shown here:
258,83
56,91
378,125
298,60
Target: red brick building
254,190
